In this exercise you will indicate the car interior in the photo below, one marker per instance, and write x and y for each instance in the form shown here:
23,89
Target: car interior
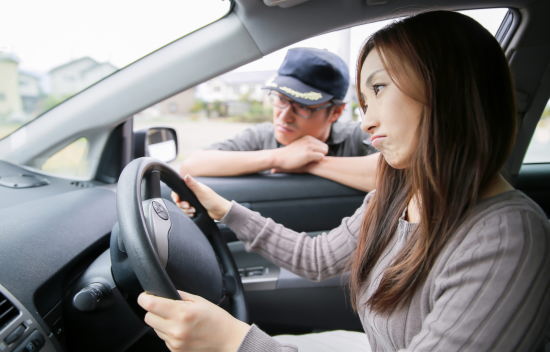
66,282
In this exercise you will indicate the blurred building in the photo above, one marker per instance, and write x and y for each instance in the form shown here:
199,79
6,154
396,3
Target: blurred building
75,75
30,90
236,89
179,104
10,101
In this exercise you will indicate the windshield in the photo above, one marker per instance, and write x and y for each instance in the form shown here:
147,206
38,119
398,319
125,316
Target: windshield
51,50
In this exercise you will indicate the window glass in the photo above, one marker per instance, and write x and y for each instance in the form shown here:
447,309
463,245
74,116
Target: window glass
70,162
225,105
51,50
539,147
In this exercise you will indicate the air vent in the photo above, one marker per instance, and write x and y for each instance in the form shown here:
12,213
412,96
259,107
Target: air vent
8,312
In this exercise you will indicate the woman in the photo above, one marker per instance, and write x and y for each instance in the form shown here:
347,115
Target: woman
445,254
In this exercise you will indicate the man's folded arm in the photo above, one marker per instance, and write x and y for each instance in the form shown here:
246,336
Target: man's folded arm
358,172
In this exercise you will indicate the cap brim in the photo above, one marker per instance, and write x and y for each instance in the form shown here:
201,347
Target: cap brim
298,91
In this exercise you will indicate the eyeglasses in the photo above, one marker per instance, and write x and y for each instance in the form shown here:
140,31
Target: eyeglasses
281,102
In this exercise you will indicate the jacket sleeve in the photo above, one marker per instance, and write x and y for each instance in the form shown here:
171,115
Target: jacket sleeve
258,341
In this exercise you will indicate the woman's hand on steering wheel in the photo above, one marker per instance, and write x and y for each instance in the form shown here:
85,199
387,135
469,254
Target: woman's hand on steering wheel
184,205
215,205
192,324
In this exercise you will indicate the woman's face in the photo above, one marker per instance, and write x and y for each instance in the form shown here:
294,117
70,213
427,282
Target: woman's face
391,117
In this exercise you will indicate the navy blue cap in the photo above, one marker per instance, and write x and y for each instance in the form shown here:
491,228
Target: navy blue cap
311,76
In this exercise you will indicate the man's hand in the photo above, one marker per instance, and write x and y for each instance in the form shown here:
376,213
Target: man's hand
193,324
299,153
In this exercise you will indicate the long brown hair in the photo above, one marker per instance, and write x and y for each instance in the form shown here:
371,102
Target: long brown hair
457,70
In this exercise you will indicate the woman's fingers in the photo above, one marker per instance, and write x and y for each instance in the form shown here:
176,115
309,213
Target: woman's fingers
184,205
216,205
193,324
175,197
189,297
201,191
163,307
158,323
187,208
192,184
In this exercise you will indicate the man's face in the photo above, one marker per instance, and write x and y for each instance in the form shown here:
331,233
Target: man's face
289,126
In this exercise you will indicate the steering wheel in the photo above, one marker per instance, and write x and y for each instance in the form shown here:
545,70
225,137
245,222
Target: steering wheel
166,249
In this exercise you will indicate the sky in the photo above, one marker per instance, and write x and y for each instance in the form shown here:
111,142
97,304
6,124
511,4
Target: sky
45,34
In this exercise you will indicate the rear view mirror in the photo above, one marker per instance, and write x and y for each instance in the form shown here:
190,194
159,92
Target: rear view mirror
157,142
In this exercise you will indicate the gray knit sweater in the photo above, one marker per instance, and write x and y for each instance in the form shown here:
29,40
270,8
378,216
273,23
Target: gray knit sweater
489,289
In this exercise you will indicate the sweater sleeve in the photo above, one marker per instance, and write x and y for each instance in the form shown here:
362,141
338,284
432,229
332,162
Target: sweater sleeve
492,292
256,340
316,258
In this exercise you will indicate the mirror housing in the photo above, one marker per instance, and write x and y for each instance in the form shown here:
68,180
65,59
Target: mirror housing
157,142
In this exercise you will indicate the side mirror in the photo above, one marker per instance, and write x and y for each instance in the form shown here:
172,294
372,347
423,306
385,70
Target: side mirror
158,142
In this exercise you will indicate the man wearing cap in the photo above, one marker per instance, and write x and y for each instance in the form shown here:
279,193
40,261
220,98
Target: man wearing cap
305,136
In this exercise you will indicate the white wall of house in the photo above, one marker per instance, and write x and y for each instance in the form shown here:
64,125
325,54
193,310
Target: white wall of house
29,85
76,75
67,79
10,102
234,85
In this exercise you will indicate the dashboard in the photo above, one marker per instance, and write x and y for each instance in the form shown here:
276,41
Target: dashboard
51,230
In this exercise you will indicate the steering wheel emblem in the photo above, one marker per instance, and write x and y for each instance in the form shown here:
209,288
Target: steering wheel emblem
160,210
